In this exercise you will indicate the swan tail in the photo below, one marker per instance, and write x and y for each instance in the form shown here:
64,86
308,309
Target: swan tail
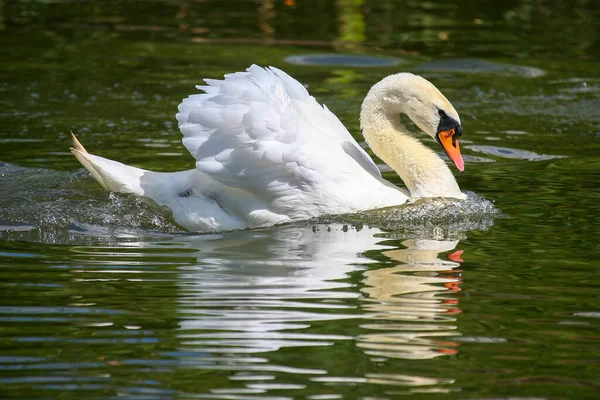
111,175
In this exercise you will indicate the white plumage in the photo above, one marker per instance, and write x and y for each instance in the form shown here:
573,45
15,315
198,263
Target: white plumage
266,152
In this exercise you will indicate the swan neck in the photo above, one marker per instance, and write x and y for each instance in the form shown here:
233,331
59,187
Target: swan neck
423,172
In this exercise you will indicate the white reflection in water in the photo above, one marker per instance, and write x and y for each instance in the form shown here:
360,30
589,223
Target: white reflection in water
272,281
260,292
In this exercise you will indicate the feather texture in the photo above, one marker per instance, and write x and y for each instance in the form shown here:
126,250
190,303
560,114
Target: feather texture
261,132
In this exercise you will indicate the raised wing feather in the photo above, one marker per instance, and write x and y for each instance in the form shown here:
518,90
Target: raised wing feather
261,131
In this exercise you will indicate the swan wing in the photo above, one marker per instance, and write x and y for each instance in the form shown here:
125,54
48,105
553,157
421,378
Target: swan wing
262,132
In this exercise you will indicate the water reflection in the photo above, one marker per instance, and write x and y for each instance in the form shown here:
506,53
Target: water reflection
273,281
274,289
410,302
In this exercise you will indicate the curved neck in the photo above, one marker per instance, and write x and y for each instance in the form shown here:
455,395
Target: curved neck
424,173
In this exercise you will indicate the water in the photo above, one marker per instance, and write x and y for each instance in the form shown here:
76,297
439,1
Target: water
103,296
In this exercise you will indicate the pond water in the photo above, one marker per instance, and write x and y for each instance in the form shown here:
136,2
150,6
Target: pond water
103,296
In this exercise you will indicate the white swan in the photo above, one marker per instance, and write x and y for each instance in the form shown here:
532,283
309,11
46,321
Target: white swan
266,152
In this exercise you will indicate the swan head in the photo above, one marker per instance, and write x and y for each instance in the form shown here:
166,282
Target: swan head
424,104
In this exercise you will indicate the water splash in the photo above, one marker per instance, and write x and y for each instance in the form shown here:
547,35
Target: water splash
41,205
431,218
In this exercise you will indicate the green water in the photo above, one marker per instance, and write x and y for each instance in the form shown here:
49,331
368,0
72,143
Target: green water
103,296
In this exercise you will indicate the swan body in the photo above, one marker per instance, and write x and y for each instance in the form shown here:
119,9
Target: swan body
266,153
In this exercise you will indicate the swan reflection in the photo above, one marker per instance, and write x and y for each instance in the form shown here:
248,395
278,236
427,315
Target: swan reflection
274,280
410,304
252,295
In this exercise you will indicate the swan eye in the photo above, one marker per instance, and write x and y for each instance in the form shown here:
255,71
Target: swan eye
441,113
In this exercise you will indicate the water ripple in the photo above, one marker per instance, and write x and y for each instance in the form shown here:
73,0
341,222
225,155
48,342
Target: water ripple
506,152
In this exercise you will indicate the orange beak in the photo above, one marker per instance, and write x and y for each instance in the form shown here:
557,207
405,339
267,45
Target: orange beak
449,141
